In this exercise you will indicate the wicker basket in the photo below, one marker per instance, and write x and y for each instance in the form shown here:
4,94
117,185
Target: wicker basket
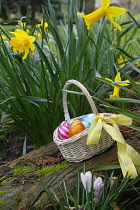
75,149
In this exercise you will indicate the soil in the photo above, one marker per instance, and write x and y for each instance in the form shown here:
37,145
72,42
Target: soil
11,144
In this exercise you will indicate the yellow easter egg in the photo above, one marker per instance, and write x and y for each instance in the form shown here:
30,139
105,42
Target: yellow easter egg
76,127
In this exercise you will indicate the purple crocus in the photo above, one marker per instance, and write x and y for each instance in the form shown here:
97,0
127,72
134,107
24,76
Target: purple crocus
98,186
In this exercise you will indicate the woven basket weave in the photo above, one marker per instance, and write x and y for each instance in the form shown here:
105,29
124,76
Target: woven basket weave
75,148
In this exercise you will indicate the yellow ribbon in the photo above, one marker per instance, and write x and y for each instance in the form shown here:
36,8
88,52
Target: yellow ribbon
127,155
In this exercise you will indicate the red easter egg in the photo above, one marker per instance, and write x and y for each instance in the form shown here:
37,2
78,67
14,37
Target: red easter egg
63,130
76,127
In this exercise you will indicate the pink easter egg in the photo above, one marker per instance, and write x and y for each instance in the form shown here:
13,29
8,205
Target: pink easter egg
63,130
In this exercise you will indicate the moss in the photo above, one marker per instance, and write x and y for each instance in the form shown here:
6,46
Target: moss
18,201
2,203
3,192
3,177
44,171
47,170
22,170
5,181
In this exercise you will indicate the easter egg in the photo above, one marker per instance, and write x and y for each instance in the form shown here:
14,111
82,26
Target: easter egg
63,130
76,127
88,118
86,124
70,121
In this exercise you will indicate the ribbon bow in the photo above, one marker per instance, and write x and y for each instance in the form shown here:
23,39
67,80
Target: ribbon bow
127,155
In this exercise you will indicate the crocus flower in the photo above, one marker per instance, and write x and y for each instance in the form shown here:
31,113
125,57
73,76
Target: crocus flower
70,208
112,181
86,180
80,207
105,10
117,89
22,42
98,186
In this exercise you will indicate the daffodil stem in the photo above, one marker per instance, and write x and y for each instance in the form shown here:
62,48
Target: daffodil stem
6,34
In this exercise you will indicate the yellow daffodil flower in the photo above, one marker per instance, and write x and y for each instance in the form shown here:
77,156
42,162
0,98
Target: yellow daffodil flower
22,42
41,24
27,31
2,37
79,14
138,64
39,36
132,0
105,10
121,61
22,25
117,89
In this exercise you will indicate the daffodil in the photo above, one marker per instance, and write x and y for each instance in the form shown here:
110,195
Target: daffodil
79,14
117,89
22,25
105,10
2,37
39,36
132,0
121,61
45,25
138,64
22,42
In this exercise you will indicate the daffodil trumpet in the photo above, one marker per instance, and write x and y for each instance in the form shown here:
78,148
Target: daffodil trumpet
117,89
106,9
22,42
128,157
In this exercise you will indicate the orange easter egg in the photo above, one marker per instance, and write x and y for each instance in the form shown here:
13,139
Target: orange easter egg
76,127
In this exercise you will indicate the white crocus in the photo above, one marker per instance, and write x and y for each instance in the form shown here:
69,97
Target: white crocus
87,180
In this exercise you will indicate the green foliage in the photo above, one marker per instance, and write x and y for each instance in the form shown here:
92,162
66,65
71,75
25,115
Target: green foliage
31,89
135,90
114,194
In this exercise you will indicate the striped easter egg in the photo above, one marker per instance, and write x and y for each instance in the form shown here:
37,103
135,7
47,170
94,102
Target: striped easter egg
63,130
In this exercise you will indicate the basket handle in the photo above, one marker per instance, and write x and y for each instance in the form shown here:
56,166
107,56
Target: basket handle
84,90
